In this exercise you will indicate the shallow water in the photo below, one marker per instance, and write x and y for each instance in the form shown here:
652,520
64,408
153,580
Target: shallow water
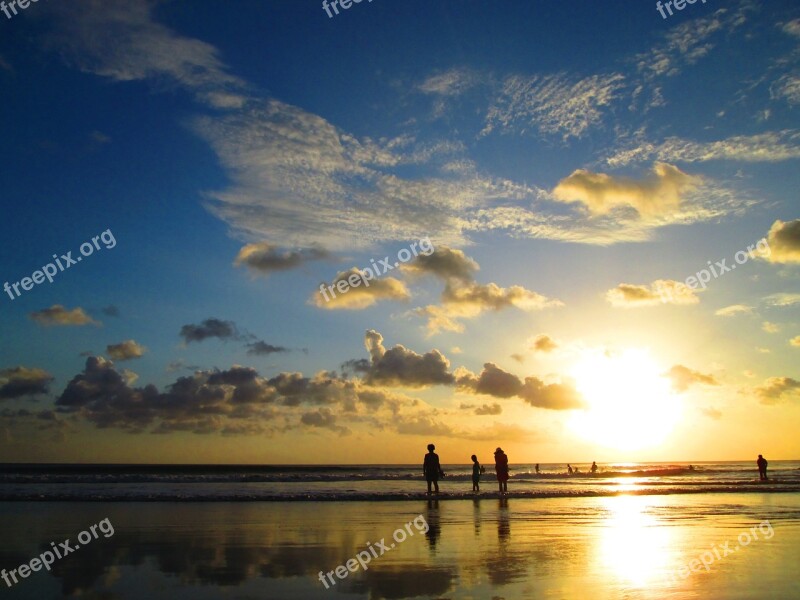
612,547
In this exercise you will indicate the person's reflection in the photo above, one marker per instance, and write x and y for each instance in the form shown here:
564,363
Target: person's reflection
476,515
503,522
434,526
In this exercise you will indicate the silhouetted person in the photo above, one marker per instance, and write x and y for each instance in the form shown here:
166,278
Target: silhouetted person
432,469
569,469
501,468
594,467
576,470
762,468
477,469
537,468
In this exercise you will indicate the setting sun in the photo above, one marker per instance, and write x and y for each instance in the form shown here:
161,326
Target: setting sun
630,405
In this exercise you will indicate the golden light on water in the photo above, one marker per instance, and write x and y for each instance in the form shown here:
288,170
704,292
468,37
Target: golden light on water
634,545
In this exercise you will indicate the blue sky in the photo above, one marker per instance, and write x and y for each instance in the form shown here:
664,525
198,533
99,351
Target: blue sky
566,161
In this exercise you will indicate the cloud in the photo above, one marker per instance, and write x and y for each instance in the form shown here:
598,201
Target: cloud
552,104
423,425
712,413
792,27
784,242
266,258
683,378
734,310
489,409
17,382
234,401
210,328
659,194
323,418
769,327
445,263
661,291
543,343
57,315
452,82
125,350
110,311
781,300
494,381
402,367
773,146
469,300
361,291
686,43
777,389
299,181
118,39
261,348
553,396
795,341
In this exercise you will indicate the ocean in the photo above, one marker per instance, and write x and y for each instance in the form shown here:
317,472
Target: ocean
378,482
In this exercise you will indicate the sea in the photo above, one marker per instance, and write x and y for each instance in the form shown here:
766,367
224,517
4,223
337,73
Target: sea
231,483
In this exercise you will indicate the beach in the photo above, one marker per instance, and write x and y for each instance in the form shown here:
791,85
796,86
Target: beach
617,546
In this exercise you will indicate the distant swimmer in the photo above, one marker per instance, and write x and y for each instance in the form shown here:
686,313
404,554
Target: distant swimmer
594,467
569,469
537,468
432,469
691,468
762,468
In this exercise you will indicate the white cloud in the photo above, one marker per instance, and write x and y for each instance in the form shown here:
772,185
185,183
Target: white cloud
552,104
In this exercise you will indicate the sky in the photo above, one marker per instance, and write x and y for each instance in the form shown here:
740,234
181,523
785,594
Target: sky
276,236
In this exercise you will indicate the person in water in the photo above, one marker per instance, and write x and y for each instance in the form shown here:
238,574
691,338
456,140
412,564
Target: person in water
594,467
762,468
569,469
432,469
501,468
477,469
537,468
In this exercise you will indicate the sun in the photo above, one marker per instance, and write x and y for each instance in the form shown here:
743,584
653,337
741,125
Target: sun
630,404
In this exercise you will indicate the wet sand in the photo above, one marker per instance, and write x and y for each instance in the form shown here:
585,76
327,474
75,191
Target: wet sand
616,547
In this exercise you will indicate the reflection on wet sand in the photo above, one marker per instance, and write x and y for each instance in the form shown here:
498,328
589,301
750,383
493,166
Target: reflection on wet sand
515,548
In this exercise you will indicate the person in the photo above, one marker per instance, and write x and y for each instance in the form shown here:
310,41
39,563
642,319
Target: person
477,469
762,468
594,467
432,469
537,468
576,470
501,468
569,469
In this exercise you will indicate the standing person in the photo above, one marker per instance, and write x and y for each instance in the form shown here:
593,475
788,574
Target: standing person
501,468
594,467
569,469
477,469
762,468
537,468
432,469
